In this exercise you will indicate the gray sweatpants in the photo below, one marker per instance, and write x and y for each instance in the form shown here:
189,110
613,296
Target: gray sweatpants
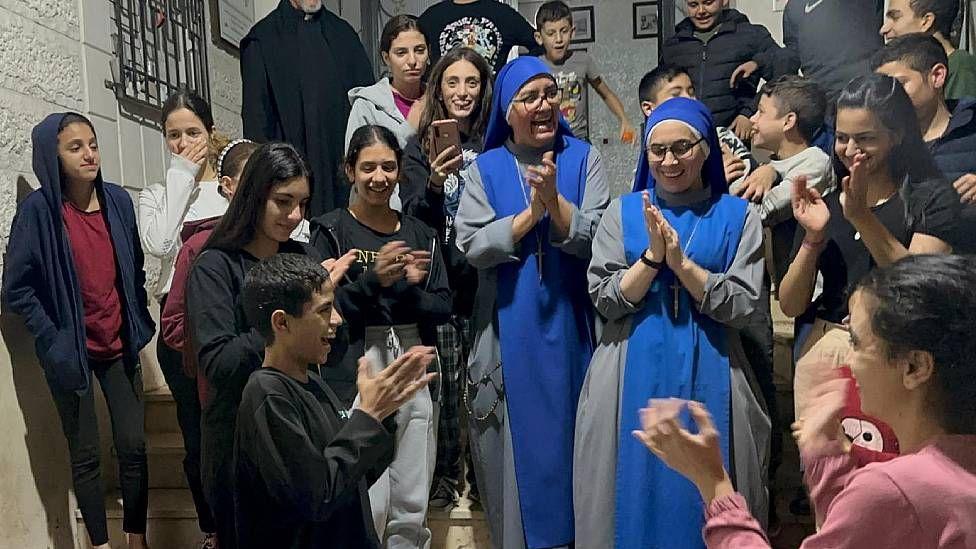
398,499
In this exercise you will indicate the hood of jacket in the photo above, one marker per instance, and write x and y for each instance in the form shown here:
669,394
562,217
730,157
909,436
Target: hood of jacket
47,167
728,20
963,111
380,95
191,228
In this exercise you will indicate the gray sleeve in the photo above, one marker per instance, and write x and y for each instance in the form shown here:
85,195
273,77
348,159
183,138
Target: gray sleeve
592,70
608,266
584,221
777,205
730,297
485,240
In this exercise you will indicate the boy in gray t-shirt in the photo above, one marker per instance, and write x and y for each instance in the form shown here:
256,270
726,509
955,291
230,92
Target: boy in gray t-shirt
574,71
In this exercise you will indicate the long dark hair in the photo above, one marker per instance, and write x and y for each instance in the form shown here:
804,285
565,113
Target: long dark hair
271,165
885,97
926,303
185,98
434,108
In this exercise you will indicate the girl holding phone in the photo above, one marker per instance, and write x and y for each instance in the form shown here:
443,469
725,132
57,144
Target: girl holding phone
433,180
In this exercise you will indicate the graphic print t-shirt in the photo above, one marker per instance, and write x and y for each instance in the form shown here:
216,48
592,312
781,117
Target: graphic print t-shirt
487,26
574,75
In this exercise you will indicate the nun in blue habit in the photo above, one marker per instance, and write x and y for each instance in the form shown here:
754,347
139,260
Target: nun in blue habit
526,222
676,266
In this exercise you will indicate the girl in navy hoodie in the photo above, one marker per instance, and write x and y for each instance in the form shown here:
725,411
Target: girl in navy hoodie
74,272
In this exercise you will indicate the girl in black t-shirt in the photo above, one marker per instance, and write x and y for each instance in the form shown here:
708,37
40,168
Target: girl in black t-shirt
391,298
894,203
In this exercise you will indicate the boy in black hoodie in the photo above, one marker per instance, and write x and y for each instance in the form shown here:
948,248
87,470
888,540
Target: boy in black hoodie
74,272
919,62
303,462
724,54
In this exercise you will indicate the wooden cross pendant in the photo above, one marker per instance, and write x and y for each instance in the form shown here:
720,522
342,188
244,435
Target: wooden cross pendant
675,298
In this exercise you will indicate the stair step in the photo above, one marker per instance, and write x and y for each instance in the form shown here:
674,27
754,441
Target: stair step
165,453
160,412
172,521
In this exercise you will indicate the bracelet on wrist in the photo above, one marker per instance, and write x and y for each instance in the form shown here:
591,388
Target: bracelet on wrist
814,245
657,265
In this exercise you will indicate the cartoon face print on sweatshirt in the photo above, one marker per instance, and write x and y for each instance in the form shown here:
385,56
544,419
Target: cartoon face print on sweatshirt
572,85
477,33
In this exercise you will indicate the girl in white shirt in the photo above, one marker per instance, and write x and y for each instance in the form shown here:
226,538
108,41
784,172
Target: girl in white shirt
190,192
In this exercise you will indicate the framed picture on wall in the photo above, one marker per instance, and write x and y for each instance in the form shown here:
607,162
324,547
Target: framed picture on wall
585,25
646,19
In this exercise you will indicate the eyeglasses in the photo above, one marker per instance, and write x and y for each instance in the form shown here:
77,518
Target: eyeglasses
680,149
533,100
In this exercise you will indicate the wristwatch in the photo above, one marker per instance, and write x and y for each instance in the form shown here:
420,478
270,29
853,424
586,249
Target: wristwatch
658,265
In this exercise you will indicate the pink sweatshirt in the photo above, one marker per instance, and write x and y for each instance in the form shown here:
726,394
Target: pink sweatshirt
925,500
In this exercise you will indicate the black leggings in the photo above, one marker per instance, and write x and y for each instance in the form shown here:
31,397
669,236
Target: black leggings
122,388
184,391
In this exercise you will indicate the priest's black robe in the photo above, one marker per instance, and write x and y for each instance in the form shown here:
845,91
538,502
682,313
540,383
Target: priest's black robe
297,70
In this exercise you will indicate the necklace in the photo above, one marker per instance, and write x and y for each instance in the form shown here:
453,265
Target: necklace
676,286
539,252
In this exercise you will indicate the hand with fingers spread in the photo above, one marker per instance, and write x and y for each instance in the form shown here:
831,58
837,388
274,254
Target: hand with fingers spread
417,266
446,163
697,457
339,267
854,197
197,153
809,209
966,188
390,263
656,249
818,431
758,184
743,71
381,394
543,179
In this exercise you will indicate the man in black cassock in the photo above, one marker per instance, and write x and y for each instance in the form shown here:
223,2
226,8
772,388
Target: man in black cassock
297,66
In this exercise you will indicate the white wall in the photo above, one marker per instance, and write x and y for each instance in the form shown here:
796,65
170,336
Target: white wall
54,56
761,12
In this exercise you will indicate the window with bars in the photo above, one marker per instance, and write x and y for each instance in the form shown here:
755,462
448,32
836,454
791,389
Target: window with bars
160,45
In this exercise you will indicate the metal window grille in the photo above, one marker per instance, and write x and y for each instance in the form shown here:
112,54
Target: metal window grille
160,45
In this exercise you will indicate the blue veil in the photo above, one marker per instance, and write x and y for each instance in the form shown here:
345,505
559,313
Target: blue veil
695,114
509,81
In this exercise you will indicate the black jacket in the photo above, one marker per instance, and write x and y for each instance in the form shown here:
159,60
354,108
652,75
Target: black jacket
363,301
40,282
955,155
711,64
428,206
832,40
303,465
228,349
